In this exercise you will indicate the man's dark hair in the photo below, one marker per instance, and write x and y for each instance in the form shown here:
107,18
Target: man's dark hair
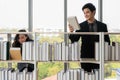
89,6
22,30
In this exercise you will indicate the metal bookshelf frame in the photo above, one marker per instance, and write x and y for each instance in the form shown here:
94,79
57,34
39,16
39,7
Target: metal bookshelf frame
33,61
101,40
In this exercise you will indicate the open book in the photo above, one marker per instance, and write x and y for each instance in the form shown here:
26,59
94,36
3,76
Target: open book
72,20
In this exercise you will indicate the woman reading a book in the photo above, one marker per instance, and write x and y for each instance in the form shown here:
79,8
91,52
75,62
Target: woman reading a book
18,40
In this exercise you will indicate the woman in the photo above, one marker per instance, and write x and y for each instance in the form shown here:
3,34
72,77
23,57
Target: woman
19,39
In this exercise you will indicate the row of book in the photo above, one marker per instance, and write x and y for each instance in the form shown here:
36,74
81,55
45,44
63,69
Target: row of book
59,51
43,51
78,74
12,74
28,51
111,52
70,52
4,50
48,52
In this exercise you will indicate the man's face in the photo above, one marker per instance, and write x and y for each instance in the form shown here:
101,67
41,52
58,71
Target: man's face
88,14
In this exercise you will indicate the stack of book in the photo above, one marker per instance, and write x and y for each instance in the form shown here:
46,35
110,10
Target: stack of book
44,51
12,74
48,52
4,50
70,52
111,52
78,74
28,51
62,52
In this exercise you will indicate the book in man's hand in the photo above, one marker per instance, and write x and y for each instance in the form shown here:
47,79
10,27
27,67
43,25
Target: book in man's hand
72,21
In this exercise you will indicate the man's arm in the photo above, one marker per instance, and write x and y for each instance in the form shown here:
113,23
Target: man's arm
107,39
74,37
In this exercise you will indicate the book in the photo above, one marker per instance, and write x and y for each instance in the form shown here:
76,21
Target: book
78,74
72,20
113,52
116,45
15,53
97,50
4,50
28,51
109,52
106,58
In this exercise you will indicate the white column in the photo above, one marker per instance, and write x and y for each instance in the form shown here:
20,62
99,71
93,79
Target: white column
66,65
101,40
100,9
30,15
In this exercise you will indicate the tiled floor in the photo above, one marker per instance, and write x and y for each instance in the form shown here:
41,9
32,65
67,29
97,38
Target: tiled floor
51,78
55,78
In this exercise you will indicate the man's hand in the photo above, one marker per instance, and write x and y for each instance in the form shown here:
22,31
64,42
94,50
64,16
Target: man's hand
70,28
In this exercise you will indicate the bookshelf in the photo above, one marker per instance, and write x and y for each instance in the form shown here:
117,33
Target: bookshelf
101,59
35,61
33,74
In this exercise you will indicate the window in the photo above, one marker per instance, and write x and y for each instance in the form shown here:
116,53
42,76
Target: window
111,14
75,8
48,15
13,14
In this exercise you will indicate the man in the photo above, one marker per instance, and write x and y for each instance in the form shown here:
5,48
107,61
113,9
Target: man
88,41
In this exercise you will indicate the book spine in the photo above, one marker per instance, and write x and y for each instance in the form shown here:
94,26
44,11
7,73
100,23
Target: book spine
106,51
97,50
66,52
63,51
23,51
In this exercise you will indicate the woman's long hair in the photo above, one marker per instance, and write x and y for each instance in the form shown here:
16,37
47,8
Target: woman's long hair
16,42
